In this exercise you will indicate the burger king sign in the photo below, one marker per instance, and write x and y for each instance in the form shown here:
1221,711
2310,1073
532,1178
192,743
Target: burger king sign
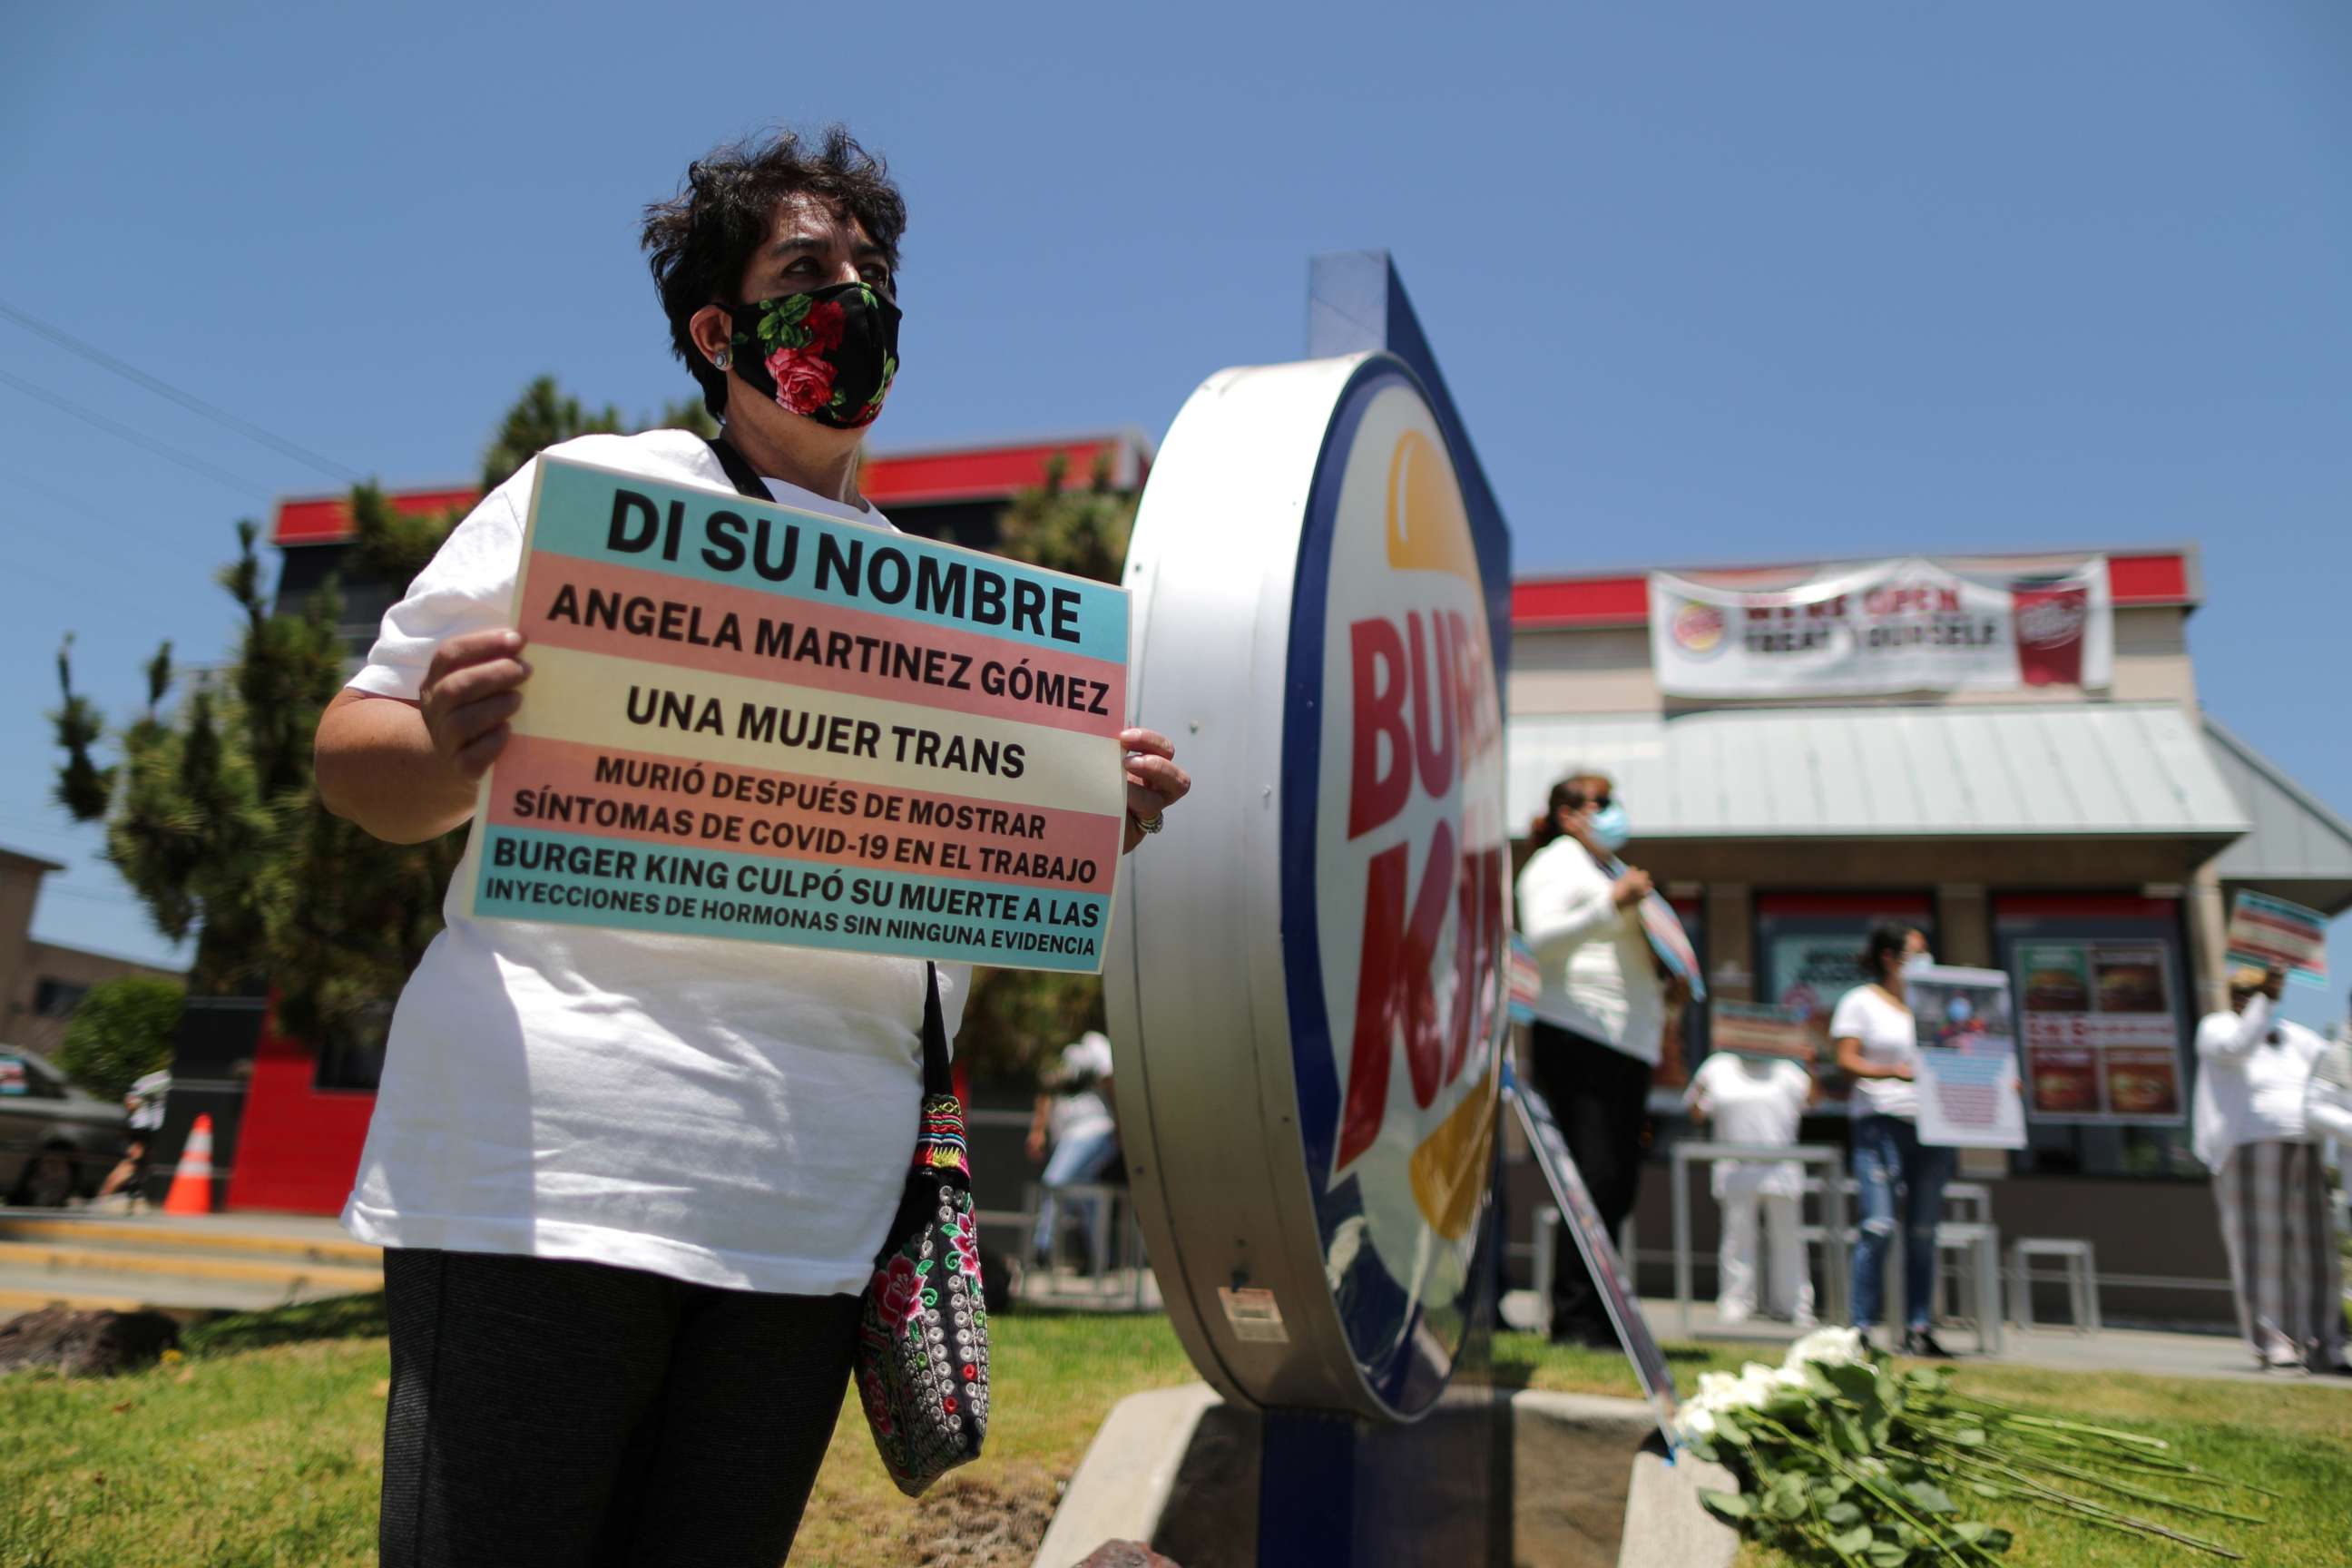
1309,989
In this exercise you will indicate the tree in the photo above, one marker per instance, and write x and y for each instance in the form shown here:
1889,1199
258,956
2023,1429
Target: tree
121,1031
210,812
1016,1020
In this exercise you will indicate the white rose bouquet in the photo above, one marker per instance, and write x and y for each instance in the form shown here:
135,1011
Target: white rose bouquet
1843,1461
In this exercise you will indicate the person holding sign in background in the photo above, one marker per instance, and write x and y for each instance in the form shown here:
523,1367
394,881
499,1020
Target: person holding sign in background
1073,1133
630,1185
1599,1020
1877,1040
1757,1099
2251,1129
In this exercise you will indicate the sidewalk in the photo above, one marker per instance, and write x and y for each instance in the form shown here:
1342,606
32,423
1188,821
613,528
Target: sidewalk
2152,1352
92,1257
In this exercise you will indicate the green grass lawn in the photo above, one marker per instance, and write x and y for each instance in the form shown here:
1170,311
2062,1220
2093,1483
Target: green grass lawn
260,1447
2291,1438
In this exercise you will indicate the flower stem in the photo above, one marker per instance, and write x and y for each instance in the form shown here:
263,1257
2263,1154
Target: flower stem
2083,1507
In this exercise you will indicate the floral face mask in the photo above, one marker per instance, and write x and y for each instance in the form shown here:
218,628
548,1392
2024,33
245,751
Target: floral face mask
829,355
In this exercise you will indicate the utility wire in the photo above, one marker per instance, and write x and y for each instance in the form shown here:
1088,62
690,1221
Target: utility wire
111,554
187,400
136,438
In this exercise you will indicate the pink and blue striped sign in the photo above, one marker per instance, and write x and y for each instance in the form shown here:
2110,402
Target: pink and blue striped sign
753,722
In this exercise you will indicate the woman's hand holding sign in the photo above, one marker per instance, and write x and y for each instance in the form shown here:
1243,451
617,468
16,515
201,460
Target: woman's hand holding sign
405,771
469,692
1154,782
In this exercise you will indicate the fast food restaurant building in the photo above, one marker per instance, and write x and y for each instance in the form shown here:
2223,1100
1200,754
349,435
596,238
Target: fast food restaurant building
2010,753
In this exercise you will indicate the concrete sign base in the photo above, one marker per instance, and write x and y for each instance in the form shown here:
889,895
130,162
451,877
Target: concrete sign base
1182,1470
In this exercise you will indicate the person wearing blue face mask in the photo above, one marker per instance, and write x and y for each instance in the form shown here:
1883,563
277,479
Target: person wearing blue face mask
1600,1021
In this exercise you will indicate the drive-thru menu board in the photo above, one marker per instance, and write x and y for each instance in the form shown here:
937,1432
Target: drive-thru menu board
749,721
2101,1031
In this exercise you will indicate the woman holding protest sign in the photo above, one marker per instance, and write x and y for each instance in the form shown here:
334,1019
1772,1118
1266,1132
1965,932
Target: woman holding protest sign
1599,1020
2251,1127
630,1185
1877,1043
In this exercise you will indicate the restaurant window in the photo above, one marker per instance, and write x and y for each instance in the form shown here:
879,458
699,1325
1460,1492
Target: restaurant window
57,998
1806,948
2104,1030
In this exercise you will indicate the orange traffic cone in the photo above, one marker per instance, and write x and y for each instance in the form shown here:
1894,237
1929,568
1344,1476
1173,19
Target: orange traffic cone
192,1185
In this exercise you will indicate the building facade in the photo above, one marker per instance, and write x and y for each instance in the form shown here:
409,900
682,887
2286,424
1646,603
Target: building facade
41,983
1807,750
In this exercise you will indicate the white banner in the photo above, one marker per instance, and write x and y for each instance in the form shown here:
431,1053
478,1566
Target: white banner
1882,627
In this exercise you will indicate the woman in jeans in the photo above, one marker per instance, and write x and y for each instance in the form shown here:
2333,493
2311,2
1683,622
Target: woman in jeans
1877,1044
629,1185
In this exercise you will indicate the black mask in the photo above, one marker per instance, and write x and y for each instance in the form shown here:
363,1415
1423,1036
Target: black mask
829,355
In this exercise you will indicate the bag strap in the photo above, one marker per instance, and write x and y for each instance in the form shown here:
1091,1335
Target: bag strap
937,1078
739,473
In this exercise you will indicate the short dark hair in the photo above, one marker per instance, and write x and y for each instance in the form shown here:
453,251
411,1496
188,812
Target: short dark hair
699,241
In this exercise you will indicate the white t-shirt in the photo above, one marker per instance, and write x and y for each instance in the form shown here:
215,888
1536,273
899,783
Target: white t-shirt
1752,1102
1080,1111
731,1113
1598,976
1889,1039
2254,1071
149,1090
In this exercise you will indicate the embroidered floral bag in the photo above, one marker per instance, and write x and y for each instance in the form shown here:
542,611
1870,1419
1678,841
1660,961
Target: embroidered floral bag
922,1330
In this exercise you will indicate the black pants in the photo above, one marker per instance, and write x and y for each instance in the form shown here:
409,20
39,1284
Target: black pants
557,1414
1599,1096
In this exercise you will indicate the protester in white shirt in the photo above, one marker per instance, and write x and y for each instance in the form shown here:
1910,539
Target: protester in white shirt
2250,1128
145,1103
1599,1020
630,1185
1876,1041
1757,1100
1074,1118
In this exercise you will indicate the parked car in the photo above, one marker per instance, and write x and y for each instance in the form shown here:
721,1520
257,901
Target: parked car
56,1141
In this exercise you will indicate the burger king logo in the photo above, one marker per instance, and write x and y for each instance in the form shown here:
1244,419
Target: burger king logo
1698,628
1310,997
1400,915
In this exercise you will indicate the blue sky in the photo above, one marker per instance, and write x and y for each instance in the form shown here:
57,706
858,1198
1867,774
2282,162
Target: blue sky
1716,283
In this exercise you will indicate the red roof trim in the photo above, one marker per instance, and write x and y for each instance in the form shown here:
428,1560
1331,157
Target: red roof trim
992,473
1539,604
1581,602
1906,905
903,479
327,520
2082,906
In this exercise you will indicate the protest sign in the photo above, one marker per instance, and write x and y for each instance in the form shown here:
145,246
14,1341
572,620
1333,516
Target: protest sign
1759,1029
1968,1080
1668,941
749,721
1598,1250
2266,931
1525,980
